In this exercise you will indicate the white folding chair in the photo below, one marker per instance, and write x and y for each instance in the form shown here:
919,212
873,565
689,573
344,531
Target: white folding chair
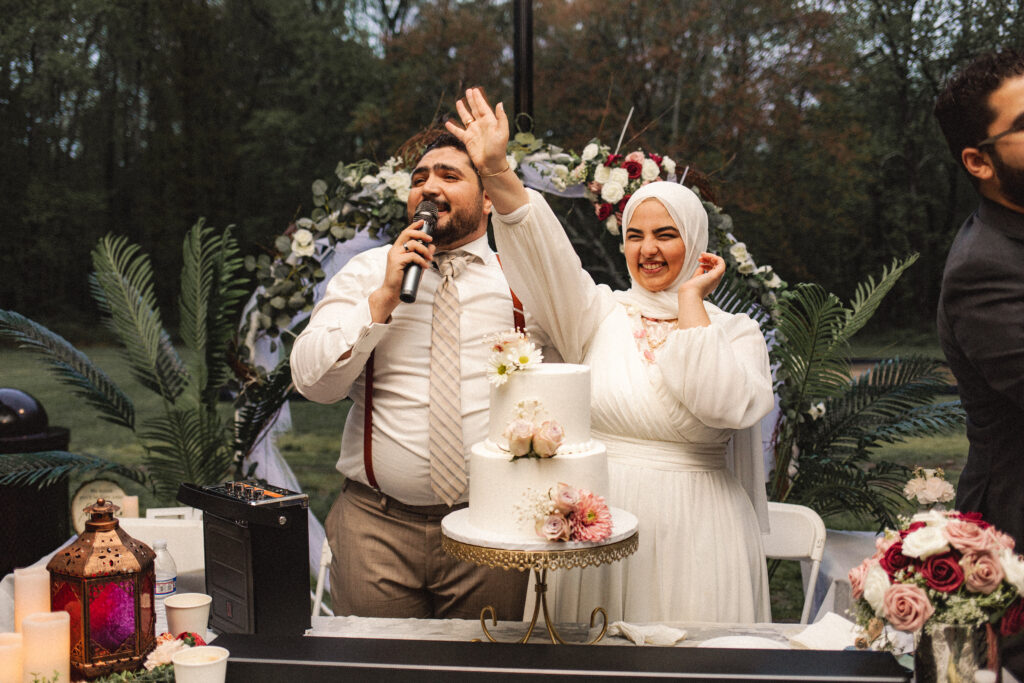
797,533
325,564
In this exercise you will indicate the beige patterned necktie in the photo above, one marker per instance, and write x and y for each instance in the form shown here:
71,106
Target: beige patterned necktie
448,476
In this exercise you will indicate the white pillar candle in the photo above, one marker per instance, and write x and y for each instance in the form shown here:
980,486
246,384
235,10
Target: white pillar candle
10,658
47,646
129,507
31,593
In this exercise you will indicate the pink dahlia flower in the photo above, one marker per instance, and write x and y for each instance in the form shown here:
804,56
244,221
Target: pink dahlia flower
591,520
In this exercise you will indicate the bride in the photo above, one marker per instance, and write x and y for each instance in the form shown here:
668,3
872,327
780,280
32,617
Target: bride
674,379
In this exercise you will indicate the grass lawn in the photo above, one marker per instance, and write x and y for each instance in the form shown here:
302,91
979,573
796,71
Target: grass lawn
311,447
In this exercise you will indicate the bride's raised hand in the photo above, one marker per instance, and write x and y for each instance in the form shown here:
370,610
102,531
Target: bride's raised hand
710,269
485,132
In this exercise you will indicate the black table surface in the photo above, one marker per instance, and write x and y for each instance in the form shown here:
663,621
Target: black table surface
306,659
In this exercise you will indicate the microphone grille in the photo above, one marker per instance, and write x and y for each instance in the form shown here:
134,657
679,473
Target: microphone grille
428,207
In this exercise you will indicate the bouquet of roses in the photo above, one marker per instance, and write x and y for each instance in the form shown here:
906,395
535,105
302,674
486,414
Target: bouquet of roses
940,567
929,487
566,513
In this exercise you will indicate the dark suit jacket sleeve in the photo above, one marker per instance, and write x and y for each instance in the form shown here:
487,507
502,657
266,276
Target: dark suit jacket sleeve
986,312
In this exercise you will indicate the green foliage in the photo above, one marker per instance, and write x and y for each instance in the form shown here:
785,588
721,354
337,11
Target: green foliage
72,367
188,441
830,423
122,285
46,467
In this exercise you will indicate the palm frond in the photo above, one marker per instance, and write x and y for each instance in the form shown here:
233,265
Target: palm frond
262,401
889,393
46,467
122,285
812,366
71,367
734,296
938,418
226,300
832,486
869,295
211,294
186,446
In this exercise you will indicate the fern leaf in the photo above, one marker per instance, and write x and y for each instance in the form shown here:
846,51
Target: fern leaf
122,285
71,367
733,296
46,467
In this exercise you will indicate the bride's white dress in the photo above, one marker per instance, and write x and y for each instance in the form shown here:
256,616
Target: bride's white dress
667,427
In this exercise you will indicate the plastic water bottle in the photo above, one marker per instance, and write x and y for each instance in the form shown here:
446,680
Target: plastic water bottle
166,575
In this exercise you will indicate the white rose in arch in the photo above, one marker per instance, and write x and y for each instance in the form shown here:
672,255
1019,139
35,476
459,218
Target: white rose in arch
302,243
746,267
739,251
620,176
668,165
649,170
601,174
612,225
612,192
397,181
589,152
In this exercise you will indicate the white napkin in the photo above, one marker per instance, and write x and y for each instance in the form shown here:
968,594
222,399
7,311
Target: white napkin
651,634
832,632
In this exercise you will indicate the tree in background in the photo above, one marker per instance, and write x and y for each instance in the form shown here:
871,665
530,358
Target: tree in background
811,118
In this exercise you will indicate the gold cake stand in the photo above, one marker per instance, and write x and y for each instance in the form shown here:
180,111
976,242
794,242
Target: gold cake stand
619,546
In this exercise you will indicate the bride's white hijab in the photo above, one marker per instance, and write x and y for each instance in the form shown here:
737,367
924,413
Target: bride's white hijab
691,220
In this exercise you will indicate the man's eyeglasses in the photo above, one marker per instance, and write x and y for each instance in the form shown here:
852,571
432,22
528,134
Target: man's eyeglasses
1015,128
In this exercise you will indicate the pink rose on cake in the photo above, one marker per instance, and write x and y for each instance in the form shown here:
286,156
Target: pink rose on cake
520,437
554,528
547,438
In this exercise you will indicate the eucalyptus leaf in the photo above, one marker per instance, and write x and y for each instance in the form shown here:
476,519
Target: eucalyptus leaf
283,244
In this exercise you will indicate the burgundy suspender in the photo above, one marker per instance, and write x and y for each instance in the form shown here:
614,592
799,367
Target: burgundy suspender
368,424
520,322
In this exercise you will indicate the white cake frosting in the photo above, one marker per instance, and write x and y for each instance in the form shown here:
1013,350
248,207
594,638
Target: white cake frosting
498,485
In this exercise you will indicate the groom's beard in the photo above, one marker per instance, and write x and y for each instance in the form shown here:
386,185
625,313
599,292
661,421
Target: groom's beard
459,224
1011,179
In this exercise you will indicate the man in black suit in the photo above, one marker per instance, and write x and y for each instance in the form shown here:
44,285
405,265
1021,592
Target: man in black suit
981,307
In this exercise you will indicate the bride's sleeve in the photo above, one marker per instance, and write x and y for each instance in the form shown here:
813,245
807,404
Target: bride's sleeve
721,372
546,274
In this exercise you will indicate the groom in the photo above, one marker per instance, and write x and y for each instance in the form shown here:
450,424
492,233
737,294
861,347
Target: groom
363,343
981,306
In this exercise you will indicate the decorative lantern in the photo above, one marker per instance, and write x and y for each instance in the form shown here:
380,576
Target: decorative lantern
104,580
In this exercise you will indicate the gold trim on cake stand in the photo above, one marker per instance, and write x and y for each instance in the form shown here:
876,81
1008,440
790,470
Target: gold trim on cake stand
623,543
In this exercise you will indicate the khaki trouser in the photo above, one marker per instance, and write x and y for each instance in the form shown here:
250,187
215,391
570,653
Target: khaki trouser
388,562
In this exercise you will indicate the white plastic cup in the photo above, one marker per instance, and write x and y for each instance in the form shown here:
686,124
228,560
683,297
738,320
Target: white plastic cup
202,664
188,612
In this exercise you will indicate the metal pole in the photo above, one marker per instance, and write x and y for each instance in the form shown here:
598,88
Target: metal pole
522,51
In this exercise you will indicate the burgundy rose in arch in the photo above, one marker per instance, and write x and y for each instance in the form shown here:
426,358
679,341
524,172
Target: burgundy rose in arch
633,168
604,209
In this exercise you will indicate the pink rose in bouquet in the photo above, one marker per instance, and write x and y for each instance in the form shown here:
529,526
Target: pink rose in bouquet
548,438
982,571
907,607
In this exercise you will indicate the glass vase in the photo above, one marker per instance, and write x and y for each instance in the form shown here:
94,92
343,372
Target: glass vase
947,653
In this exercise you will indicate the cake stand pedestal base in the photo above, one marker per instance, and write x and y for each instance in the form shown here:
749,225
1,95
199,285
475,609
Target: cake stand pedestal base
461,541
540,606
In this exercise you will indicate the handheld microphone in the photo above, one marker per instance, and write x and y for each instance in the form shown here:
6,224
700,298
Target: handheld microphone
427,212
